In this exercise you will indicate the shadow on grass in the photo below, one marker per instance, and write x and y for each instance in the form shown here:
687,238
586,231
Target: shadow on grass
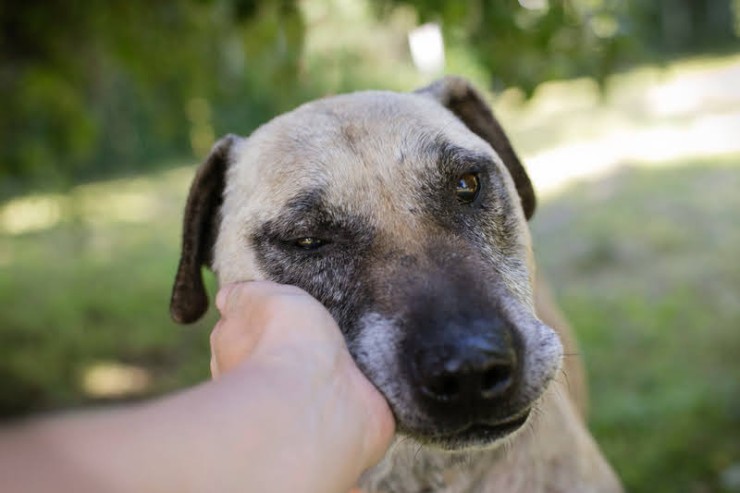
645,265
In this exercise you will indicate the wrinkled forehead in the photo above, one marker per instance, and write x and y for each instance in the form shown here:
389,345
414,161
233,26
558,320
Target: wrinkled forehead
357,148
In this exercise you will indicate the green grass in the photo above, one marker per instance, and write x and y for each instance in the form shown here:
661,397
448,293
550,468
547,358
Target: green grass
90,290
644,263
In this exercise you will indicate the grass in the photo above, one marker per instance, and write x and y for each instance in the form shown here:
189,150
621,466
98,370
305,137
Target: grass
645,265
643,260
94,289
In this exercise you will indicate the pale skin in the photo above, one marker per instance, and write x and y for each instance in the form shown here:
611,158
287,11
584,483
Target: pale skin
287,411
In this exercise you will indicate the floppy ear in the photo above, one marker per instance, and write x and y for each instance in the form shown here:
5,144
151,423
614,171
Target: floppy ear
459,96
189,299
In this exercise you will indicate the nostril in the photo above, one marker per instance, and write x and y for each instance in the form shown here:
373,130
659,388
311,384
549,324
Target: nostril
473,373
489,383
495,380
443,387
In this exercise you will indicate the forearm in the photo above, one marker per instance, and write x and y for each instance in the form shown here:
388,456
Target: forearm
179,443
85,451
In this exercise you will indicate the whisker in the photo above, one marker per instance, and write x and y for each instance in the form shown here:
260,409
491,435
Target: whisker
418,450
567,380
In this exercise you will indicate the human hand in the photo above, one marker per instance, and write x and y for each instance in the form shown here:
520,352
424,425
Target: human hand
291,340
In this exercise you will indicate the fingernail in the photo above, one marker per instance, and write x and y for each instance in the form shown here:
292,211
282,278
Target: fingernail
222,298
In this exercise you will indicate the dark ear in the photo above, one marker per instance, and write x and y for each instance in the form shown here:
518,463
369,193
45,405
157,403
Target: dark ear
460,97
189,300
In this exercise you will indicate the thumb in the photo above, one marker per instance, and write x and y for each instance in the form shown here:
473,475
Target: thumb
226,297
234,336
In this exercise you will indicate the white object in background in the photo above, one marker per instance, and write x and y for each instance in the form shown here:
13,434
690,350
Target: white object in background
534,4
427,48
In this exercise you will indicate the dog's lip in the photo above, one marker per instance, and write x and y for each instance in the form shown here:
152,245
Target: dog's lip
486,431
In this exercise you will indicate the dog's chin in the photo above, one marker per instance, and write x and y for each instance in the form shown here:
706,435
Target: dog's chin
478,435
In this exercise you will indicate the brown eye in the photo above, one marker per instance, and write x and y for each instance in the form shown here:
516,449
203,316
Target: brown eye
309,243
467,188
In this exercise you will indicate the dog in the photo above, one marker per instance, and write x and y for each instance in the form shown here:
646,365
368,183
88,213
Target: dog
405,215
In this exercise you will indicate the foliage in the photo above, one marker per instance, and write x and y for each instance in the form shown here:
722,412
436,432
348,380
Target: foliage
523,43
94,87
118,85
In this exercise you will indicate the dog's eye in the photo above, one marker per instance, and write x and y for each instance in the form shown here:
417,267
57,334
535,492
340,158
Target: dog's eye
467,188
309,243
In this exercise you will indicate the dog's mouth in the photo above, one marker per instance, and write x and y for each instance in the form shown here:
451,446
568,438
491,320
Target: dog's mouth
481,433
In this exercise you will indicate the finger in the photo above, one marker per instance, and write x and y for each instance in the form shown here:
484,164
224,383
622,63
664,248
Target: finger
267,314
232,341
232,297
225,295
242,322
214,367
214,344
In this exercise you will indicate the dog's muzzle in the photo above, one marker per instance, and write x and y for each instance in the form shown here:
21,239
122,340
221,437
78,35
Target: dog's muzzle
464,375
460,360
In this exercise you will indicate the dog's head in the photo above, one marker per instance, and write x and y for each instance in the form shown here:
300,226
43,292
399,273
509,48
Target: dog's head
405,215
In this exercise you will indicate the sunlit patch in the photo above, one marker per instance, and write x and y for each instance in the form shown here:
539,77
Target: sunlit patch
112,380
29,214
534,4
674,98
138,200
604,25
693,91
649,117
553,169
126,206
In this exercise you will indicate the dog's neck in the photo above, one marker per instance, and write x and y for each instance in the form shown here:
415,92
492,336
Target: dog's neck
553,452
411,467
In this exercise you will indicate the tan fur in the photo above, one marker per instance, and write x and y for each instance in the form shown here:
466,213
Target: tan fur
574,374
366,152
317,154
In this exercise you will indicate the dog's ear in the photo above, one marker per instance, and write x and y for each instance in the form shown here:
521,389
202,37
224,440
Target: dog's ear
189,299
460,97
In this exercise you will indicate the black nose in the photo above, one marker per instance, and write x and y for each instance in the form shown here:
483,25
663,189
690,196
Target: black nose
474,371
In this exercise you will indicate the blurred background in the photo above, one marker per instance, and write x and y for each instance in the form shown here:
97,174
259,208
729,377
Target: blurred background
627,114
